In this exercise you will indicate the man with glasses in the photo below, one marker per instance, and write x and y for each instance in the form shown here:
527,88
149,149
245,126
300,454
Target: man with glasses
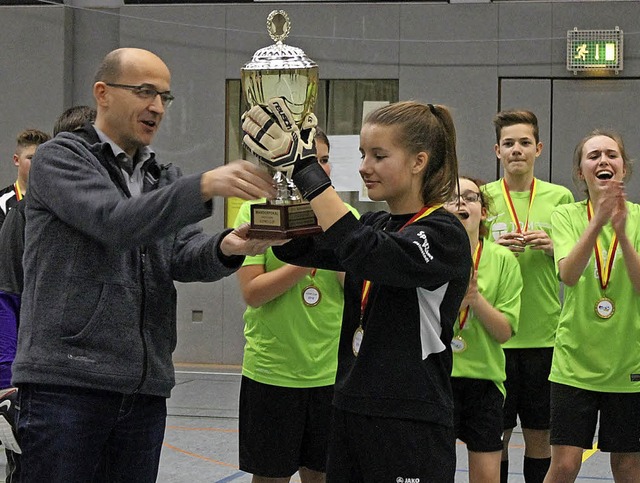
108,230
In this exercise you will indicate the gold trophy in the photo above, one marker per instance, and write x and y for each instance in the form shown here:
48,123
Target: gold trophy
280,70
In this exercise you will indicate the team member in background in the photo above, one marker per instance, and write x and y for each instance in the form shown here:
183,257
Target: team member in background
10,197
488,318
26,144
523,206
11,285
407,271
292,325
595,376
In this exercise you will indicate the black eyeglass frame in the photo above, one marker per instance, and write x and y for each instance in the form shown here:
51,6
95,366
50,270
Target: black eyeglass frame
165,97
469,196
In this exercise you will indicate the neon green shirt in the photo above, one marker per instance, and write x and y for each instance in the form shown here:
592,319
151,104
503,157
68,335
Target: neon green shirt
289,343
540,306
591,352
500,283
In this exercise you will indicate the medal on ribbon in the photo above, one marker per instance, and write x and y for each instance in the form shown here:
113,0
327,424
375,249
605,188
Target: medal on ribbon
358,335
311,294
458,344
512,209
604,307
357,340
16,188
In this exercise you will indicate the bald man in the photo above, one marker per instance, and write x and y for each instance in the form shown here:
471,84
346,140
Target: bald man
108,231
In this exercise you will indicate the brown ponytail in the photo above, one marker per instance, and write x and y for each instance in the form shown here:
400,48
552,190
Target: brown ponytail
428,128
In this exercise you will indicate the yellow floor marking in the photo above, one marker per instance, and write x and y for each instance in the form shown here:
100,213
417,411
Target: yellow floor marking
210,460
590,452
199,456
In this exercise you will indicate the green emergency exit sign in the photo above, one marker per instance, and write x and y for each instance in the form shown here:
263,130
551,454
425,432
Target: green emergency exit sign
590,50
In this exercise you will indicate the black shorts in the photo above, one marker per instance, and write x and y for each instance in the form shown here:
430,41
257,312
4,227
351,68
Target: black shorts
283,428
574,416
478,413
527,388
364,449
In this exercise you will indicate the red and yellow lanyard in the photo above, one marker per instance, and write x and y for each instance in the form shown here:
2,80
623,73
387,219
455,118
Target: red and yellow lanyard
512,210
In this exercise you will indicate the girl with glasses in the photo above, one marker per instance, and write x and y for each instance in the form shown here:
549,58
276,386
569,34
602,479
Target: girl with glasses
488,317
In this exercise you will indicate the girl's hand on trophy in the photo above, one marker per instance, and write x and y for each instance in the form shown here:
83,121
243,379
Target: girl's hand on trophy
272,134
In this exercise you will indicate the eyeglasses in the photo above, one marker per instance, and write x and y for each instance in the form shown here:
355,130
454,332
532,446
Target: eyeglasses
468,196
145,91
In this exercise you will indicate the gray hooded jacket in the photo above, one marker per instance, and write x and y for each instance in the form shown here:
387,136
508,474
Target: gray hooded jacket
99,302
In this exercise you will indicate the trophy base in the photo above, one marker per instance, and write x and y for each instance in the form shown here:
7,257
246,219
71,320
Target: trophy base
283,221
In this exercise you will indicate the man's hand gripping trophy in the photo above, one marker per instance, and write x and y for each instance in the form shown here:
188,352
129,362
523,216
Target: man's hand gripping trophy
272,134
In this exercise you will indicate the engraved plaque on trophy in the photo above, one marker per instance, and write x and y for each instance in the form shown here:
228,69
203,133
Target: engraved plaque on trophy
280,70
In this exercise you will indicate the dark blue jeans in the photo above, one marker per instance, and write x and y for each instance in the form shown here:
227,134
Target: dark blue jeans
71,435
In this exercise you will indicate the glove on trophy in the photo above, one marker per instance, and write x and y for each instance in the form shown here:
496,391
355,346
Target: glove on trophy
272,134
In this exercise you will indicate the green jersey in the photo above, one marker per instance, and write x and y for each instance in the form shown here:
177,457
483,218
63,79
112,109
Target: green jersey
540,306
591,352
290,342
500,283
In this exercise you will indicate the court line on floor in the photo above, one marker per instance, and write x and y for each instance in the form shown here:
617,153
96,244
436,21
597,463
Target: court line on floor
231,477
209,373
590,452
218,430
240,473
199,456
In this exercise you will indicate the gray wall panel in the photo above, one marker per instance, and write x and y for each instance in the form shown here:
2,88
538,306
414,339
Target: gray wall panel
361,44
95,33
579,106
191,40
347,41
524,48
232,328
446,35
200,341
472,105
455,67
34,71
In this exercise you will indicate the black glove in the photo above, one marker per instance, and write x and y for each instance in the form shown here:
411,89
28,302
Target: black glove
272,134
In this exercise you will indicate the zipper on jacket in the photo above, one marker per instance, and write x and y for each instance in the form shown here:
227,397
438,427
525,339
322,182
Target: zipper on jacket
143,257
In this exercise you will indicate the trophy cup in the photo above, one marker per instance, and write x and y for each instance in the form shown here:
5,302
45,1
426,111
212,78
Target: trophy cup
280,70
